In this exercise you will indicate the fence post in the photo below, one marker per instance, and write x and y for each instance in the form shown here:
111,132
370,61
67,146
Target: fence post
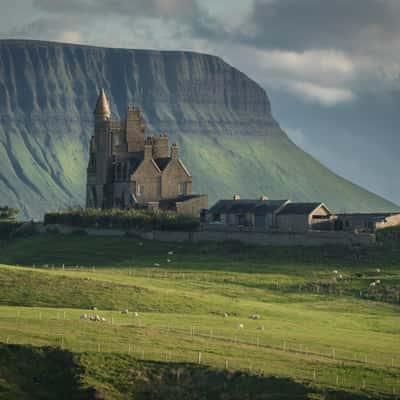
199,358
226,364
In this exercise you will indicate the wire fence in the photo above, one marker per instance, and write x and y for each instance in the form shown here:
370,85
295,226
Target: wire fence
356,374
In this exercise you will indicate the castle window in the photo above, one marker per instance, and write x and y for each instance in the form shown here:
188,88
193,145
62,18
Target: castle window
140,189
182,189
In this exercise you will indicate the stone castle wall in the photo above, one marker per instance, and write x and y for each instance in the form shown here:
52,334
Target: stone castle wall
247,236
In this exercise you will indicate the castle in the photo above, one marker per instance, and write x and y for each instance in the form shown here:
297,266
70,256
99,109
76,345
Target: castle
127,169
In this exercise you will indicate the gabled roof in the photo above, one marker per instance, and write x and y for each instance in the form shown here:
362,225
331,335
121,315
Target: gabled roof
301,208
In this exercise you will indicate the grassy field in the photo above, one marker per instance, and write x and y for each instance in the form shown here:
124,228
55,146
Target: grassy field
319,333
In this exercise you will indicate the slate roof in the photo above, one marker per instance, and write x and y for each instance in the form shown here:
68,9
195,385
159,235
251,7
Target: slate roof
299,208
242,205
162,162
269,207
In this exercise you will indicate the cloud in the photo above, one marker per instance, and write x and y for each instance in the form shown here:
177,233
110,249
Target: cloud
327,96
315,24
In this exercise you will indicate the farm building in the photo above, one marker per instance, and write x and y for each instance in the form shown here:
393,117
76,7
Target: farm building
302,217
281,215
363,222
245,212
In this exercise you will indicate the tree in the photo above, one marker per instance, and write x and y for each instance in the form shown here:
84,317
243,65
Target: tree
8,213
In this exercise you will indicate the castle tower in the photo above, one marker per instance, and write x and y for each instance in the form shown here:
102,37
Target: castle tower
135,130
102,137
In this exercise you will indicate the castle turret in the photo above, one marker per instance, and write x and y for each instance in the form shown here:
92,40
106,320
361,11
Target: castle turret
135,130
102,141
102,110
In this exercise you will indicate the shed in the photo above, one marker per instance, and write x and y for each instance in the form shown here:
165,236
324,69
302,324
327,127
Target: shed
302,217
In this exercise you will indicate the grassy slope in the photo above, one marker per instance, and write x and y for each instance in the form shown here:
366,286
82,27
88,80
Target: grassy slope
194,290
272,166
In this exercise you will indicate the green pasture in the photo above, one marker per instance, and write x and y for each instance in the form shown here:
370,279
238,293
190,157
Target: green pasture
314,328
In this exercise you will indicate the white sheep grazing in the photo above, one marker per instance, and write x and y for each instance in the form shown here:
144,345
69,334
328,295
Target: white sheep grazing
226,315
335,271
254,316
98,318
240,326
372,284
84,316
135,314
94,308
92,318
378,281
378,270
170,253
103,319
261,328
157,265
126,311
340,276
168,260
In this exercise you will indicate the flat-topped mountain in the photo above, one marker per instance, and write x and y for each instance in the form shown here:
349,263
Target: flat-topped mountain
220,118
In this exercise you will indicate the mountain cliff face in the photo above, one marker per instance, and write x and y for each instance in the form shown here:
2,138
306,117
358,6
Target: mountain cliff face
221,118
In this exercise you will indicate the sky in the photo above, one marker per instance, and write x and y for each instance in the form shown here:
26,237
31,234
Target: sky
331,68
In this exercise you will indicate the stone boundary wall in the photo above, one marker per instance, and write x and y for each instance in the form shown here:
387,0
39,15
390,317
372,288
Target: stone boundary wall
256,237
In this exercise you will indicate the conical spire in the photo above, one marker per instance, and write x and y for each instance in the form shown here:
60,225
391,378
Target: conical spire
102,106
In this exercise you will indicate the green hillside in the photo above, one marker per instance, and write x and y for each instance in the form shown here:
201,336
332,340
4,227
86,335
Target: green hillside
319,339
222,119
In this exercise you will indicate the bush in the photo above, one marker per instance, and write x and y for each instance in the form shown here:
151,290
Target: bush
123,219
8,213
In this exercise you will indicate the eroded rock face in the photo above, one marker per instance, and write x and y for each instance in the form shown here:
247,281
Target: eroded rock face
220,117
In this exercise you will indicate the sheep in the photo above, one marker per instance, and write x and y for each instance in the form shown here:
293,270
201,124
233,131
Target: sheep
168,260
97,318
260,328
226,315
239,326
103,319
340,276
157,265
254,316
170,253
126,311
84,316
335,271
92,318
378,281
372,284
135,314
94,308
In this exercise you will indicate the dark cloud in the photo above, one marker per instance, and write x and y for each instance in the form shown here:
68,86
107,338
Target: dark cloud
315,24
193,19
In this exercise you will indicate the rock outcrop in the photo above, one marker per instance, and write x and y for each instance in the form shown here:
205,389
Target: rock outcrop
220,117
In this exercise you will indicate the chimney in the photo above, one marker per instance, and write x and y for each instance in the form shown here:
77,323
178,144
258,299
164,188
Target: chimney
175,151
148,149
236,197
